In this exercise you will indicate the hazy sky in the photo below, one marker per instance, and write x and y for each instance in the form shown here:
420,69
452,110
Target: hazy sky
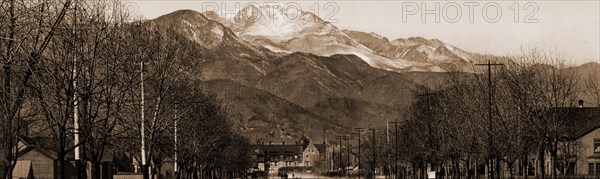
492,27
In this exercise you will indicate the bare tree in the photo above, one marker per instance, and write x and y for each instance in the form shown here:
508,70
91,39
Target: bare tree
167,58
28,27
592,83
105,78
541,84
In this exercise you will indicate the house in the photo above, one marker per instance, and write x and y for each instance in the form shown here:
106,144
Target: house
579,148
37,159
303,154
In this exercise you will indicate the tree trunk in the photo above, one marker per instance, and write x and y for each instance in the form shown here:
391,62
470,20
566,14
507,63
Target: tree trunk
542,163
6,170
476,169
553,154
526,164
60,166
414,171
468,164
195,173
498,167
96,172
158,167
457,168
510,169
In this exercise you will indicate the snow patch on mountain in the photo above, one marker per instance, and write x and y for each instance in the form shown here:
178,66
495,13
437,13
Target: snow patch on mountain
218,31
460,53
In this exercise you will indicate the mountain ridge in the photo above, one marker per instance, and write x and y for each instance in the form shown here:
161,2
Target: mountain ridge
277,95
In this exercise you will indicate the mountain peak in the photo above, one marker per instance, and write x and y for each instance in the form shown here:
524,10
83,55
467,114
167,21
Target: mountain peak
212,15
376,35
274,21
184,14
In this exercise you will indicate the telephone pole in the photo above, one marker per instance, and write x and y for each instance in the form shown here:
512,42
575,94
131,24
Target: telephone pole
78,161
332,157
429,136
347,139
359,130
396,148
175,146
340,166
491,155
326,146
373,167
142,130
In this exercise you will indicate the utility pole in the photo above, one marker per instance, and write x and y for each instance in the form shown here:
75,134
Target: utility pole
396,149
491,155
340,152
326,146
175,145
347,138
429,136
77,150
359,130
387,130
331,167
373,169
144,165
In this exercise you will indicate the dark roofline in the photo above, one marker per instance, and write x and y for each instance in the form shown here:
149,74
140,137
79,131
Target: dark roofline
579,136
29,148
579,121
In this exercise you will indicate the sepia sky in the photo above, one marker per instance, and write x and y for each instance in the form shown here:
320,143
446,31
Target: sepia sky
571,28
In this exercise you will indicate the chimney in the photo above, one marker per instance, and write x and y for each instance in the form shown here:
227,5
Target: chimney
580,103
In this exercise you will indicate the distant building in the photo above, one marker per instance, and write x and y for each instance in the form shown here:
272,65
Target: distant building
303,154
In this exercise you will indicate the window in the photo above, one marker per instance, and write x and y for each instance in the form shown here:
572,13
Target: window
596,146
590,168
598,169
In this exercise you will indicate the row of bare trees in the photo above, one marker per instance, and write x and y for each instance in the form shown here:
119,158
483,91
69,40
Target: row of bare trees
72,72
450,131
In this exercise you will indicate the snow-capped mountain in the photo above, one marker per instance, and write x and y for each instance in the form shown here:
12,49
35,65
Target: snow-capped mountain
417,49
208,32
291,31
277,95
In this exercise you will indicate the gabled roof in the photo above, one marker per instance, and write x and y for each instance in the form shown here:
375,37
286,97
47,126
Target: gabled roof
322,148
578,122
256,150
46,146
304,141
42,145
